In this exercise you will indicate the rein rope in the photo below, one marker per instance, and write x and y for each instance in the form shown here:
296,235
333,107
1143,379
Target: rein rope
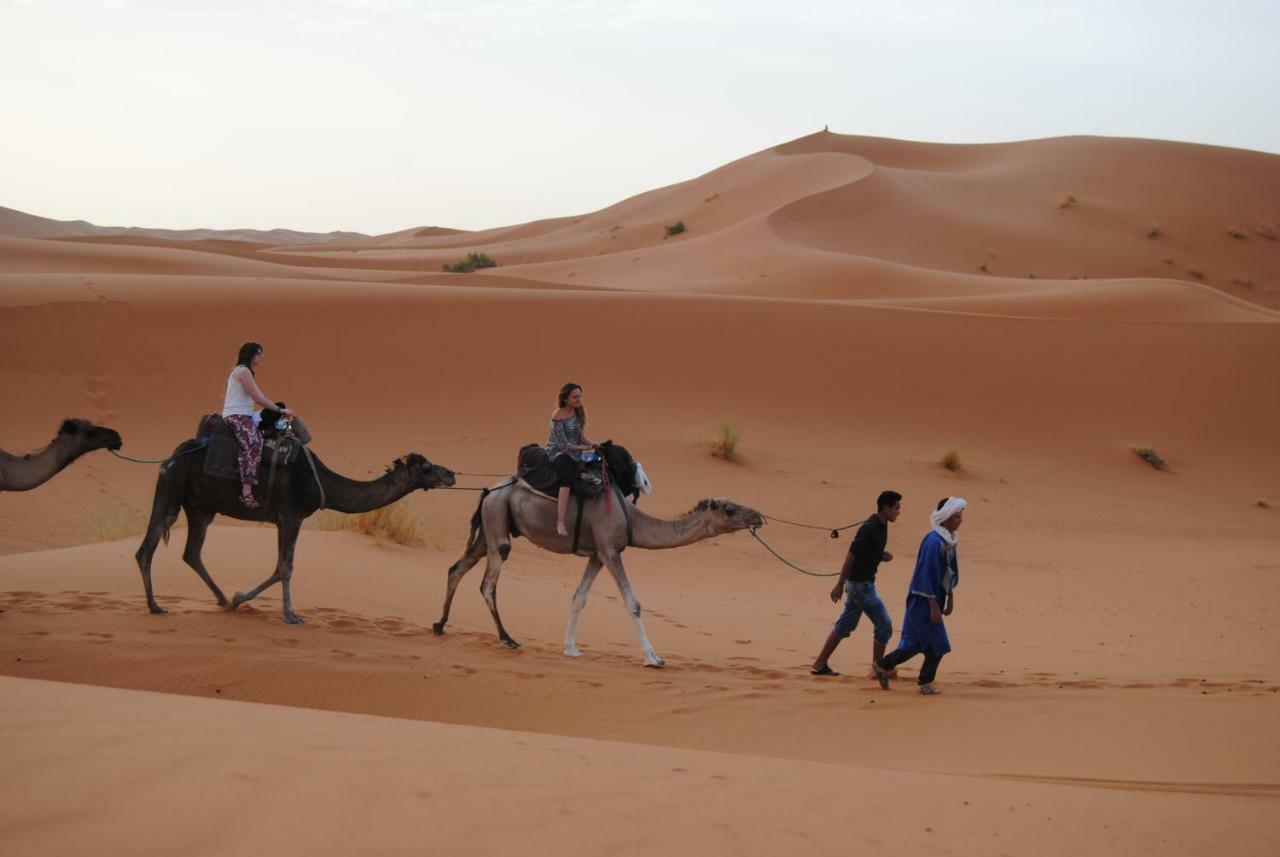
787,562
156,460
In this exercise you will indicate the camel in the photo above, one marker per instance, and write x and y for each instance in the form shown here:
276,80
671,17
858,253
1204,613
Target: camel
295,495
511,509
75,437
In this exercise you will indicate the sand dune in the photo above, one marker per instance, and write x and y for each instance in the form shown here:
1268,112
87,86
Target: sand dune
1115,681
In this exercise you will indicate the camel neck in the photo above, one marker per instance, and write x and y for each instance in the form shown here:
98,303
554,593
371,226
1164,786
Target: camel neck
24,472
657,534
354,496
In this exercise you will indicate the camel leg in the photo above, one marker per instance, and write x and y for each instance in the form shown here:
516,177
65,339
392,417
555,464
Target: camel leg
456,571
614,562
198,521
580,601
157,528
289,530
489,589
245,597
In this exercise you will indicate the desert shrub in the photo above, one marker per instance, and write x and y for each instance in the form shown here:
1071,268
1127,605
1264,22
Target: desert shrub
471,263
675,228
1267,231
1236,232
115,522
951,460
726,443
1067,200
1150,456
1153,230
396,523
1197,273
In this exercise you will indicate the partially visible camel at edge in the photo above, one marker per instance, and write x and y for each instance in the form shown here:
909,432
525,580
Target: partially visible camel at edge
75,437
294,497
510,510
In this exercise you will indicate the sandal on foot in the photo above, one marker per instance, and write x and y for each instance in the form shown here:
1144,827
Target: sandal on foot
823,671
249,502
929,690
882,675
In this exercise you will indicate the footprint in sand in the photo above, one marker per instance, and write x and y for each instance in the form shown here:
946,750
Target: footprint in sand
464,671
35,634
342,654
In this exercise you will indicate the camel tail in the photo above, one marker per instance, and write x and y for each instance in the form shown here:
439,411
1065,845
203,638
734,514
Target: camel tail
477,524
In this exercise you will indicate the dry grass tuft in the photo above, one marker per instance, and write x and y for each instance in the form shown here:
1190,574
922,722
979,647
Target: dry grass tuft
1067,200
726,443
1237,233
1267,231
113,523
1150,456
396,523
1197,273
1153,231
951,461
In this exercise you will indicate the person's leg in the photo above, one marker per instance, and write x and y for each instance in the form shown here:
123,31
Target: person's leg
879,614
929,671
565,467
562,504
249,456
844,626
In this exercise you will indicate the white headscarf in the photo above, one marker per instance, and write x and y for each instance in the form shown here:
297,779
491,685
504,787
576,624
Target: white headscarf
949,508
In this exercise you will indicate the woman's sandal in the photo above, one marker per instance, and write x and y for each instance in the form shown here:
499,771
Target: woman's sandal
824,671
249,502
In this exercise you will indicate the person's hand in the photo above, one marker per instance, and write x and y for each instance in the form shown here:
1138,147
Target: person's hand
935,614
288,412
886,557
836,593
951,605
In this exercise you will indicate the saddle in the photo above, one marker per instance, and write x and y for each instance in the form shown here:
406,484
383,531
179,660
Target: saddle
222,459
534,469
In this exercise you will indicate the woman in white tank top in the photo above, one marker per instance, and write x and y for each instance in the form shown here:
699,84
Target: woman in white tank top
237,410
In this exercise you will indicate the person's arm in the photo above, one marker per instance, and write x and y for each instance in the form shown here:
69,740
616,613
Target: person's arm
844,576
246,379
935,612
951,604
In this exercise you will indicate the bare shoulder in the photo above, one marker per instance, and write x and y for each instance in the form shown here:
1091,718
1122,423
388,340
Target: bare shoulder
240,372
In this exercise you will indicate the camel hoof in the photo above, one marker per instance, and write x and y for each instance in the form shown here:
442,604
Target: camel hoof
656,664
511,644
157,609
294,619
572,653
437,628
236,601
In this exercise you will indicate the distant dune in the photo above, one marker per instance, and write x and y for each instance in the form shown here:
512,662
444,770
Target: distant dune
25,225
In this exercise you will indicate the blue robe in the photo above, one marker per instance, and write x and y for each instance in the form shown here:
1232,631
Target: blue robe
937,572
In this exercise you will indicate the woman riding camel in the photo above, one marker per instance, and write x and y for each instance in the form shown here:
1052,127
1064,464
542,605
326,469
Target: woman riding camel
237,411
565,445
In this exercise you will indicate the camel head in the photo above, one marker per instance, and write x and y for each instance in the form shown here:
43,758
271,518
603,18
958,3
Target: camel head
727,516
90,436
423,473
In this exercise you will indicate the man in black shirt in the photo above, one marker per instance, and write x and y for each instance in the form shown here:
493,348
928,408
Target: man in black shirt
858,583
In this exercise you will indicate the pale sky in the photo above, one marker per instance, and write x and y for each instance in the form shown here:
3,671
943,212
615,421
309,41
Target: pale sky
380,115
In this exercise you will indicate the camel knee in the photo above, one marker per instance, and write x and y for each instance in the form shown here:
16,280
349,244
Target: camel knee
504,549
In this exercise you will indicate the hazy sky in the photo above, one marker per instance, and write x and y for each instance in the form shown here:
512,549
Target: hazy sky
379,115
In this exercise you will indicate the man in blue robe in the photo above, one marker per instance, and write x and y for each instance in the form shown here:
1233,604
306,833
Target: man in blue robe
930,596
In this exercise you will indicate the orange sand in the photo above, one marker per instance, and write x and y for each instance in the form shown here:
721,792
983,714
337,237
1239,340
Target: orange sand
1115,684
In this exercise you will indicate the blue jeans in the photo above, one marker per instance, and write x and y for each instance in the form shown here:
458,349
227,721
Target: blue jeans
861,597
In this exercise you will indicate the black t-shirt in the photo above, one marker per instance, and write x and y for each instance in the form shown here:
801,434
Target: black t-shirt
868,549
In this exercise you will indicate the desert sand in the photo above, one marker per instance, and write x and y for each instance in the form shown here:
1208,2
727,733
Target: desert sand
855,307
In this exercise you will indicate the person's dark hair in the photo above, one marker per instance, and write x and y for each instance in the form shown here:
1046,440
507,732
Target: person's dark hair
942,503
247,352
887,499
564,399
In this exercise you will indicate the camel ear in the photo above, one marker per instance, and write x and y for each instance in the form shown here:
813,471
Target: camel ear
69,427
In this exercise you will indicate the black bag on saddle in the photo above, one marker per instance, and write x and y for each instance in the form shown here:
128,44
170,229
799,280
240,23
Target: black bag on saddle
534,466
222,461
